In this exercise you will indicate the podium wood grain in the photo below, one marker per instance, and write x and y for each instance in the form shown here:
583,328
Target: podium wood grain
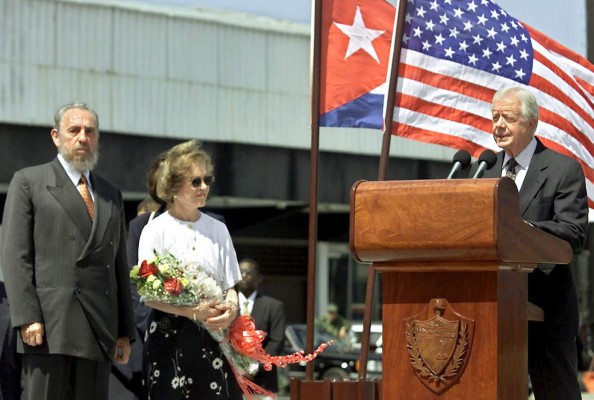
462,240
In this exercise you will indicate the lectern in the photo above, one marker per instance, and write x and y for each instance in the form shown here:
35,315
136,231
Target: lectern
454,257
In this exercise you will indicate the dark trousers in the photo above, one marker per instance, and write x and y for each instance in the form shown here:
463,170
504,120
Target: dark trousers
552,364
56,376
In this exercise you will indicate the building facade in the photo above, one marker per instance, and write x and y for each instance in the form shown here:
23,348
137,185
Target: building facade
158,76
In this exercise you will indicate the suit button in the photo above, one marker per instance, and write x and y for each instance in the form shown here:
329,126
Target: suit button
71,237
77,289
107,265
107,292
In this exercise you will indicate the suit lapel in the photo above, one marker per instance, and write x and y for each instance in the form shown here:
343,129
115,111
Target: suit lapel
534,179
257,311
71,201
102,216
69,198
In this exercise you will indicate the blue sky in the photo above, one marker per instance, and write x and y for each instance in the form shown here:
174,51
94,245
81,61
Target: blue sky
563,21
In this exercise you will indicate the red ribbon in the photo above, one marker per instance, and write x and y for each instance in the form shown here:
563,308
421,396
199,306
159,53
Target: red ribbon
244,338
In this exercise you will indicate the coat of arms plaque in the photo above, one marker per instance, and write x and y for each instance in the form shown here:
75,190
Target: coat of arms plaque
439,347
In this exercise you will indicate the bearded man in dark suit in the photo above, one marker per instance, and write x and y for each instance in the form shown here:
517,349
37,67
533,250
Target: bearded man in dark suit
553,198
64,263
269,317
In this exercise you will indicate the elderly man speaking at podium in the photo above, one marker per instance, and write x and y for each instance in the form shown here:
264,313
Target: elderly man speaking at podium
552,198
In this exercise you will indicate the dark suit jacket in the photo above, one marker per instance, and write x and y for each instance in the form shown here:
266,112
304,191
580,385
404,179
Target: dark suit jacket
63,269
269,316
553,198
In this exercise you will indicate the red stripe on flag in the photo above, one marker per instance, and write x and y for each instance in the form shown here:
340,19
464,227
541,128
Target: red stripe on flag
428,136
558,48
443,112
587,86
445,82
554,90
563,124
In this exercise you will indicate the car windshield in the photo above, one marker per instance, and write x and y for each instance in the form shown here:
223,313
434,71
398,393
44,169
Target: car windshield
375,335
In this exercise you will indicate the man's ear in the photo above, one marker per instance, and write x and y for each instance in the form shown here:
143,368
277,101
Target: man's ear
54,135
533,124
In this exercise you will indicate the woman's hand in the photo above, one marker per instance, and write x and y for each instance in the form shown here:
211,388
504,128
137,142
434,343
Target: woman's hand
199,313
228,312
203,311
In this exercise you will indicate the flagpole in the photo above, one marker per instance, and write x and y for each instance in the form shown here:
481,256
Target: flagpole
313,178
392,76
391,82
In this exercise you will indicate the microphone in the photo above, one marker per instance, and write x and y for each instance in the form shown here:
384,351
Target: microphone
486,160
461,161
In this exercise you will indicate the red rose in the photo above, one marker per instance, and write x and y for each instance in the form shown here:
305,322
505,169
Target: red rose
173,286
147,269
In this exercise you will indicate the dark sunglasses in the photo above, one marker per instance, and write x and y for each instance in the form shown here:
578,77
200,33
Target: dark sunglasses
197,181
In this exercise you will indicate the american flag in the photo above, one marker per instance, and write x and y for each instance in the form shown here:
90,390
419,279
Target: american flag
456,53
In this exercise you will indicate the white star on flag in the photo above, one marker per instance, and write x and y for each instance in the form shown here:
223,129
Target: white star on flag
360,37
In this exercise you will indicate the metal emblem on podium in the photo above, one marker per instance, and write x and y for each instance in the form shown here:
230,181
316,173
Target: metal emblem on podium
439,347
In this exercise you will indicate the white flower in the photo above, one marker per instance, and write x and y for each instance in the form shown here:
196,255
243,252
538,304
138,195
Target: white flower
214,385
153,327
182,381
156,373
175,382
217,363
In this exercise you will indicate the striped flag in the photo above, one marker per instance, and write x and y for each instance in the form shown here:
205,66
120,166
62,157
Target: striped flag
456,53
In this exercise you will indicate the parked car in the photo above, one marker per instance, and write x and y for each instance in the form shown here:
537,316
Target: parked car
339,361
375,336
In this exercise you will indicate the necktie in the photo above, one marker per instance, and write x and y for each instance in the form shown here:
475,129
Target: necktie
86,195
245,310
511,168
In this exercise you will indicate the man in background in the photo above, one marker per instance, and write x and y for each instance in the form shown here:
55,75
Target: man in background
269,316
334,323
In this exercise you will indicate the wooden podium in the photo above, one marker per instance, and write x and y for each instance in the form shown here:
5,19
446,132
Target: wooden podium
454,257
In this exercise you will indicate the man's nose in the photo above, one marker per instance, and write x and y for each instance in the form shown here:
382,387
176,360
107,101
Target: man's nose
83,136
499,122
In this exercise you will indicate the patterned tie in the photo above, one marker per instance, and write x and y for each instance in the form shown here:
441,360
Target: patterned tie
511,168
86,195
245,310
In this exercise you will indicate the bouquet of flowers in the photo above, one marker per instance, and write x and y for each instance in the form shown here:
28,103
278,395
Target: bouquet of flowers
166,279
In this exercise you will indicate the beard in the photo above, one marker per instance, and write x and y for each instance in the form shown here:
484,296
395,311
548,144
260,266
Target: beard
81,163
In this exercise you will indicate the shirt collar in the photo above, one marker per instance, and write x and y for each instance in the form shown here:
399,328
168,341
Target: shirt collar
251,298
73,174
523,159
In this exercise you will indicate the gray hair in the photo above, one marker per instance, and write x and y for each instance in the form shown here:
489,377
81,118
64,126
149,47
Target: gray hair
76,105
529,107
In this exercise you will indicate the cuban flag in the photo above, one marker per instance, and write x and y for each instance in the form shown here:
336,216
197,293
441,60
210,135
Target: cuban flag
355,52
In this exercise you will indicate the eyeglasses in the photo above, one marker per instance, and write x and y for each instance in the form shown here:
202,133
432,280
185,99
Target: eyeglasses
197,181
